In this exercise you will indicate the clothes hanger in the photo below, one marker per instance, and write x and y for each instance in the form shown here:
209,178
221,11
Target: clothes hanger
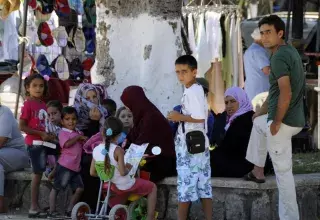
190,3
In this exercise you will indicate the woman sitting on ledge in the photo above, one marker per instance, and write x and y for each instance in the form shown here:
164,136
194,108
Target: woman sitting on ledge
13,152
230,136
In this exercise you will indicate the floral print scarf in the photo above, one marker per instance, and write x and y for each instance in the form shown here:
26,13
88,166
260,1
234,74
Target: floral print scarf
83,106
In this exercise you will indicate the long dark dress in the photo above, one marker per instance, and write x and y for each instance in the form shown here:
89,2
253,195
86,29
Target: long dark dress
91,184
150,126
229,157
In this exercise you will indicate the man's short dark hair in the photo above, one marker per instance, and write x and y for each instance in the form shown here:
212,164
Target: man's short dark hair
276,21
187,60
68,111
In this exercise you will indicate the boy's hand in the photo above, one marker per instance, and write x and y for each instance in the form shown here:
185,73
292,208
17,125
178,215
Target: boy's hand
83,138
174,116
95,114
47,137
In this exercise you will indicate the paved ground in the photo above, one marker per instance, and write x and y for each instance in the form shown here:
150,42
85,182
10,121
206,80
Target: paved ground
20,217
15,217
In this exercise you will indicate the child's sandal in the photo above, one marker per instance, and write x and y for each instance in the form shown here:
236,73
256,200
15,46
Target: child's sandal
37,214
53,214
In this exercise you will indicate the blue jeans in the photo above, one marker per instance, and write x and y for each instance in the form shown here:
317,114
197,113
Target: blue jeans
38,156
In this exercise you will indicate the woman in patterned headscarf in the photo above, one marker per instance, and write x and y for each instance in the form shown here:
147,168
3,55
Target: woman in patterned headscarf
90,113
91,116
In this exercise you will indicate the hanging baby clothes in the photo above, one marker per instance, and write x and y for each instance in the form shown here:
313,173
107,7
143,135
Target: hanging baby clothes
10,37
252,10
213,31
234,47
227,67
214,74
203,58
240,54
191,37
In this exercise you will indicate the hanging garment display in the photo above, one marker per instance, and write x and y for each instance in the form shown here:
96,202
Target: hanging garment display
47,28
215,41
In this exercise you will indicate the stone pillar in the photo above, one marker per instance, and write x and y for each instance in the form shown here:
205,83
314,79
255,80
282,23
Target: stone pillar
137,44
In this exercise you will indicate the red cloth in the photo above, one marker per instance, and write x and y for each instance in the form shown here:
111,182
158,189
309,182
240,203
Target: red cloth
140,188
30,113
150,126
59,90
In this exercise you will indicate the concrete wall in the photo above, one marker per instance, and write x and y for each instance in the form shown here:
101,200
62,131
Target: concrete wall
137,44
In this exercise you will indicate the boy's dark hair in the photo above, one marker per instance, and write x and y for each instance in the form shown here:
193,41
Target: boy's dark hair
187,60
275,21
115,126
110,105
30,78
68,111
56,104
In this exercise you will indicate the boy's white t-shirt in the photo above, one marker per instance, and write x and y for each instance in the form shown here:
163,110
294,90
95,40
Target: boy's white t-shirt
194,103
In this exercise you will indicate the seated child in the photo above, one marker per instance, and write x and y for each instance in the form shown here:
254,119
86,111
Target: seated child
54,109
111,156
110,105
68,167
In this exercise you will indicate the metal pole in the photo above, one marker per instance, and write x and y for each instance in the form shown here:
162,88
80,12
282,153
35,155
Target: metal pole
297,19
288,21
318,30
318,90
23,47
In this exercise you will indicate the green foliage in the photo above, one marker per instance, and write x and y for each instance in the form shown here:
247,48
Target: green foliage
140,212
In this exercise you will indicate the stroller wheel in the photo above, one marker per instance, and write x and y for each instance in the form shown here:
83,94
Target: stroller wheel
80,210
119,212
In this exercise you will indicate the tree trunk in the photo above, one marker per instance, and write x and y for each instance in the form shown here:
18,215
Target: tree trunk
137,44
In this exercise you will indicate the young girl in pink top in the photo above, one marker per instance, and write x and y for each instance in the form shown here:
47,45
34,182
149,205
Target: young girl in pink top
32,122
68,167
112,155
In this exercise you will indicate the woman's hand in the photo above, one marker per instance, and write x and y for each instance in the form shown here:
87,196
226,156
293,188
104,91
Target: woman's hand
95,114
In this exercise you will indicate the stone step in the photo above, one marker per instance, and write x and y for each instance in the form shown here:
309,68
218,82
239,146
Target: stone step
233,199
